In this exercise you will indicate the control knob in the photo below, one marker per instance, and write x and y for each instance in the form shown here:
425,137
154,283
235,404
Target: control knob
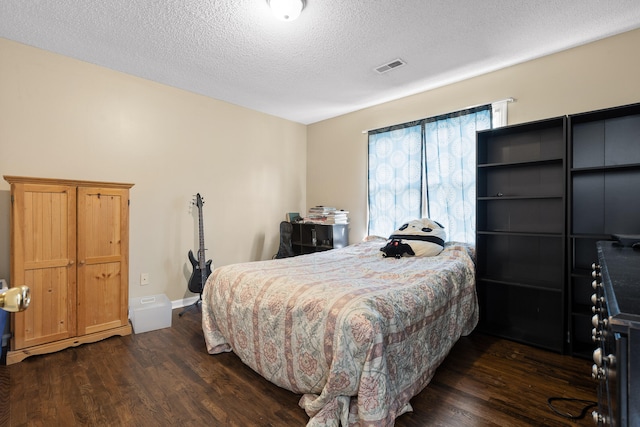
598,418
596,335
597,373
599,359
599,323
595,299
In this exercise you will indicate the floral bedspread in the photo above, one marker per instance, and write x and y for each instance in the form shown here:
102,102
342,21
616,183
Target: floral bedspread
357,334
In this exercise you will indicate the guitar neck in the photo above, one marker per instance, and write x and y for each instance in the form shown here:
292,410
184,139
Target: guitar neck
201,256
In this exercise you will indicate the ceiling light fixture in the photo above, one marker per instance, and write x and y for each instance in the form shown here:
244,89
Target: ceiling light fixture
286,10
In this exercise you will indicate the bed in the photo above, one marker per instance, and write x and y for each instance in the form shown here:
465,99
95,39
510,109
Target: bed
356,334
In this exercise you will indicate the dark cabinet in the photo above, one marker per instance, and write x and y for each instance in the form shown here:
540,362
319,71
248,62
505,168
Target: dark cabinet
308,238
604,199
616,334
520,232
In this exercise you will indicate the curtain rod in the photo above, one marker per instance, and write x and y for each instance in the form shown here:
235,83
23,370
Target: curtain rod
510,99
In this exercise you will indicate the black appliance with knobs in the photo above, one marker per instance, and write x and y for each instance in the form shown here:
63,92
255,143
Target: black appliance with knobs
616,332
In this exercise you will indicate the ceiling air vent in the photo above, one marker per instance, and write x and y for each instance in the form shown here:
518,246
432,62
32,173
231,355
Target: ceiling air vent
390,66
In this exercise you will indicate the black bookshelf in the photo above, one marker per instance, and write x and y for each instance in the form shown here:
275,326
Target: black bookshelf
520,232
604,199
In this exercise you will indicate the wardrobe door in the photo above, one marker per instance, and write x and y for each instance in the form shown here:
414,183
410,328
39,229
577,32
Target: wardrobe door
103,234
43,244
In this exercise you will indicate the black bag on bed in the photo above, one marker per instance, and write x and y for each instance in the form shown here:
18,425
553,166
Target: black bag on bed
285,250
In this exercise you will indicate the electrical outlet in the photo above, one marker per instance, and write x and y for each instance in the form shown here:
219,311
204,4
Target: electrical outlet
144,279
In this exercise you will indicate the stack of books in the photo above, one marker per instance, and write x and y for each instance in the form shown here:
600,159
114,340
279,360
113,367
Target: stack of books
327,215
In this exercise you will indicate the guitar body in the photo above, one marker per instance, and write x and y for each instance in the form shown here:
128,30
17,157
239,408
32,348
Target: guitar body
196,280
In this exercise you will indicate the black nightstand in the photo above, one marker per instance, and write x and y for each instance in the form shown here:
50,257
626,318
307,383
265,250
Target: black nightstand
308,238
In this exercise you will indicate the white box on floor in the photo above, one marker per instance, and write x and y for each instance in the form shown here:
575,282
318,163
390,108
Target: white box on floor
150,313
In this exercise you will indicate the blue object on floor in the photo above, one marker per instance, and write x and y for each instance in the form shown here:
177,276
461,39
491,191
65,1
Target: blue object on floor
3,322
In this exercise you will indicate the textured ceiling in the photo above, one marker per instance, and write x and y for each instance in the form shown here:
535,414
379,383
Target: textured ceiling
321,65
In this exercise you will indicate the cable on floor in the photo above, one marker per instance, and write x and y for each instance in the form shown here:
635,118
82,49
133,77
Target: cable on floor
588,405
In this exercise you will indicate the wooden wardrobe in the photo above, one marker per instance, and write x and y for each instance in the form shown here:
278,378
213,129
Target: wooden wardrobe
70,246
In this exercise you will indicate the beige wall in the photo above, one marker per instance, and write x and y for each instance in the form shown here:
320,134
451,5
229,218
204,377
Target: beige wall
62,118
598,75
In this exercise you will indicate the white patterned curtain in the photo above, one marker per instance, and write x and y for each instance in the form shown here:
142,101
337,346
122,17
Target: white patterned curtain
443,150
451,171
395,177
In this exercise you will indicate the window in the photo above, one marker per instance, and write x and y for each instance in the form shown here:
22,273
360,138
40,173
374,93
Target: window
426,169
395,177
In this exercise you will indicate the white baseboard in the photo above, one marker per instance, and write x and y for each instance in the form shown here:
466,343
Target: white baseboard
179,303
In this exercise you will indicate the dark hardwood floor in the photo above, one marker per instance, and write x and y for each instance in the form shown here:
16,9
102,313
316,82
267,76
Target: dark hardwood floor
166,377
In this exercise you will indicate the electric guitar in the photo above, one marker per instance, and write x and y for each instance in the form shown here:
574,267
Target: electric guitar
201,269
